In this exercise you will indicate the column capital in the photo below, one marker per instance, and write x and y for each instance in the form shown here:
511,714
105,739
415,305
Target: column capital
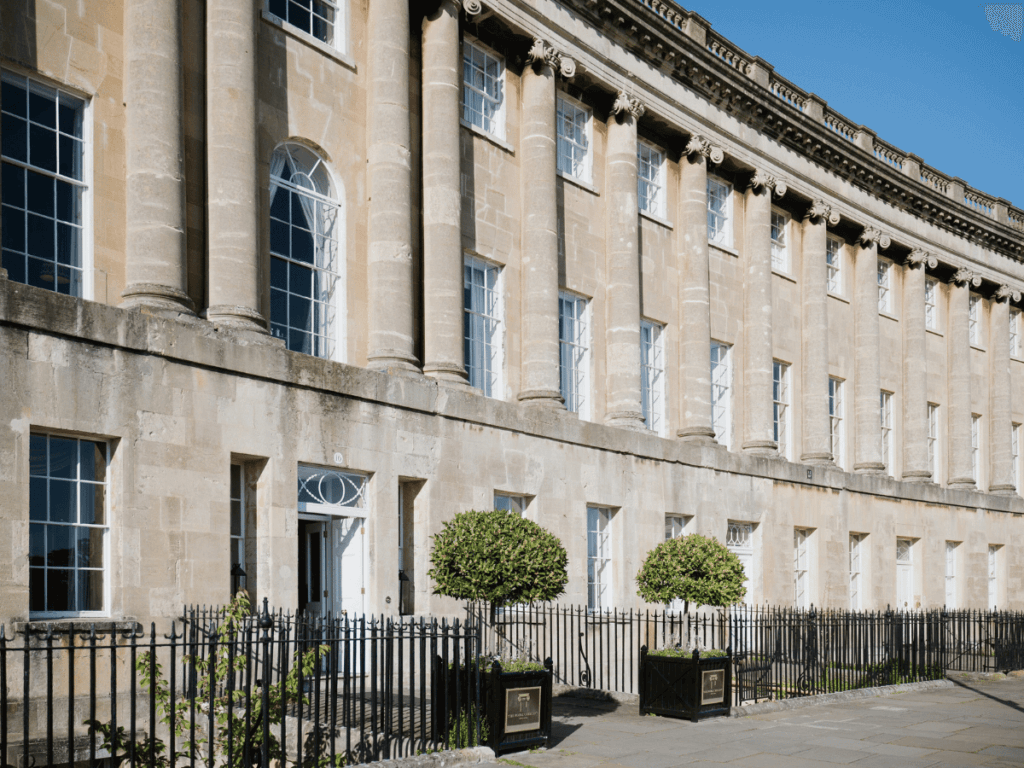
762,180
921,258
541,53
822,211
965,277
1006,293
872,236
472,7
698,146
628,105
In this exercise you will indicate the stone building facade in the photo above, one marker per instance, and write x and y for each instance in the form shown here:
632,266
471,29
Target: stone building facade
289,283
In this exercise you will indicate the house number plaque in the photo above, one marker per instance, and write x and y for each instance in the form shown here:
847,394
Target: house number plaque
712,687
522,709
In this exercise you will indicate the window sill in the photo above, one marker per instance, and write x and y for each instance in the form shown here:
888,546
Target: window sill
499,143
580,183
888,316
838,297
975,346
934,331
656,219
309,40
784,275
62,625
724,248
1017,358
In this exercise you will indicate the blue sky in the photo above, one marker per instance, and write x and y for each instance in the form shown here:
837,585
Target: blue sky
932,78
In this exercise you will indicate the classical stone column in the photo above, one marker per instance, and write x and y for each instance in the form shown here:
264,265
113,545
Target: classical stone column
389,186
235,277
624,406
817,432
867,367
758,423
694,290
540,372
916,467
1001,415
442,197
959,356
155,255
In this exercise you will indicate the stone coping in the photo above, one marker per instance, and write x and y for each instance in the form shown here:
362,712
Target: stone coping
443,759
197,343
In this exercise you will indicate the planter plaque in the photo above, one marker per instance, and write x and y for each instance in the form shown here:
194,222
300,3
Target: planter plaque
712,686
522,709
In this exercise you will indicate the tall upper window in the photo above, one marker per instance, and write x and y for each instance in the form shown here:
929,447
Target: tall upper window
483,89
951,574
306,270
884,286
1015,332
721,392
974,319
885,408
324,20
719,212
44,185
67,525
801,563
975,445
482,325
856,542
574,347
652,376
834,264
835,413
933,440
237,517
650,179
780,406
599,558
574,155
780,248
931,312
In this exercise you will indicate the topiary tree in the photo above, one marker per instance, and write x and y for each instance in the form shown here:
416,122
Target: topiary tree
694,569
499,557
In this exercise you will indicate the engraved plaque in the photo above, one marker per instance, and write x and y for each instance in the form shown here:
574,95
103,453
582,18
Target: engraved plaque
712,686
522,709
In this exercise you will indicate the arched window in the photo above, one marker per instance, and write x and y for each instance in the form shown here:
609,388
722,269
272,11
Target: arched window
306,270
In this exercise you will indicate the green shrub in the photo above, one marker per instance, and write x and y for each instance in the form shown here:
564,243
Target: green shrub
695,569
462,731
682,653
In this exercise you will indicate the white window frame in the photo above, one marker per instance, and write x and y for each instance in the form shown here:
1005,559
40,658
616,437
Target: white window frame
600,576
801,568
931,308
904,574
780,240
739,540
652,376
677,526
339,40
856,572
885,286
35,480
721,392
951,558
974,319
237,497
836,406
482,283
650,192
975,447
834,264
781,415
1015,455
575,153
885,411
720,211
993,576
512,502
85,184
317,491
1014,332
933,440
574,352
489,95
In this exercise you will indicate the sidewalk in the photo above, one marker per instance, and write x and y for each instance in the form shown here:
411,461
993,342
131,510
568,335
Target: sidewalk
970,724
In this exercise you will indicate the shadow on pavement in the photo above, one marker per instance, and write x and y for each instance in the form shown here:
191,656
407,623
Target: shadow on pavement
1006,702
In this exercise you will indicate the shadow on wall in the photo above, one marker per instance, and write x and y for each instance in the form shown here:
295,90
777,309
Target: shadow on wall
18,32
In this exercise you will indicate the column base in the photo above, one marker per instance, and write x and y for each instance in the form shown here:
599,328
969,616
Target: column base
761,448
626,419
158,300
544,398
700,435
963,484
237,318
394,362
447,374
869,468
1003,489
917,476
818,459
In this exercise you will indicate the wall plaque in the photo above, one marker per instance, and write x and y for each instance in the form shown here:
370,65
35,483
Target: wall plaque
712,686
522,709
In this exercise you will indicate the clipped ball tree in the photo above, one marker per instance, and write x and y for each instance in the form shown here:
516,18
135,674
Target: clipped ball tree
497,556
694,569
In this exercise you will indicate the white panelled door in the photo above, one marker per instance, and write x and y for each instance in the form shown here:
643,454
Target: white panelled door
904,574
348,537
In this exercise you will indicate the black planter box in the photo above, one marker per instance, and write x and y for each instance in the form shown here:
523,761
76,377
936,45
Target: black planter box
516,706
676,687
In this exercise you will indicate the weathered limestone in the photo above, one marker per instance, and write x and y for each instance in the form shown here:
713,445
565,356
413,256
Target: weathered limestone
1001,412
155,256
235,273
389,185
442,197
959,341
758,427
916,467
867,368
540,375
694,291
623,288
817,435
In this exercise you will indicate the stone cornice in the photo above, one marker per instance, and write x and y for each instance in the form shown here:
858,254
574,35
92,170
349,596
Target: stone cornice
699,146
921,258
764,180
819,210
626,104
681,43
542,53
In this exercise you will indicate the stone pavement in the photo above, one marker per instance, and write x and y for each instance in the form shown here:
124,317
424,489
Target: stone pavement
969,724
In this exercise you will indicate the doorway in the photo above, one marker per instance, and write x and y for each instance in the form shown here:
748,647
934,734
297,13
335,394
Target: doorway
332,565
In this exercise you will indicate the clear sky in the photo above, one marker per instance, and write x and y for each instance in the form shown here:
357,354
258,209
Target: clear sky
932,78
